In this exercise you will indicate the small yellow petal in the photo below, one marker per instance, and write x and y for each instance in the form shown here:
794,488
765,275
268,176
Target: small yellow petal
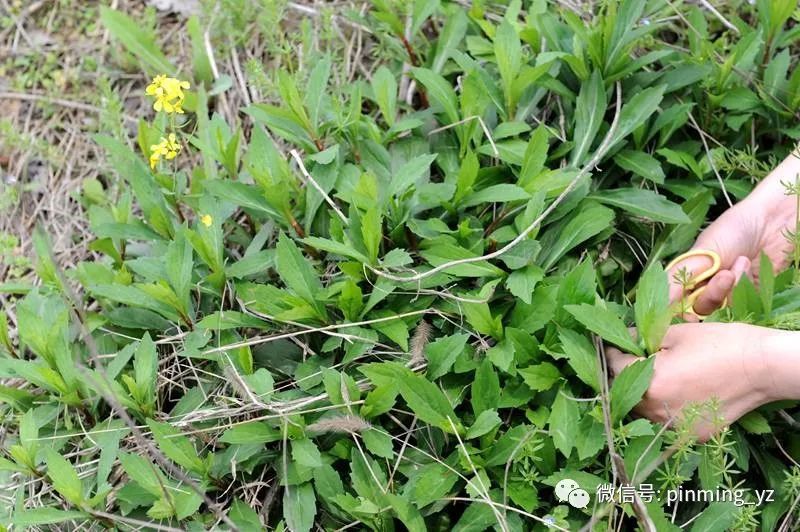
206,220
168,93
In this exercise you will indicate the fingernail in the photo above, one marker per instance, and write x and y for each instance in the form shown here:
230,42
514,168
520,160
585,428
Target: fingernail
740,267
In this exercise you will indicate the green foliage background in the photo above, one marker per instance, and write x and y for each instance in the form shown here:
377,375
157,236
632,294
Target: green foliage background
275,368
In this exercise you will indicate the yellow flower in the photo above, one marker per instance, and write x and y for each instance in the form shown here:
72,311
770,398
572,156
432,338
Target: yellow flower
206,220
167,148
154,159
168,93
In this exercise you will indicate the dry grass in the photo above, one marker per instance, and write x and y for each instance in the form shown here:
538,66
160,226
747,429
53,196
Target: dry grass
55,57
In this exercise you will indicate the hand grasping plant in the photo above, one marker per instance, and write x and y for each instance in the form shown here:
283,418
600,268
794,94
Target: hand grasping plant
742,365
758,224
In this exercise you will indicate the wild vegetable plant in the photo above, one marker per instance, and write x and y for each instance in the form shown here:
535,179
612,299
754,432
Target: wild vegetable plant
382,303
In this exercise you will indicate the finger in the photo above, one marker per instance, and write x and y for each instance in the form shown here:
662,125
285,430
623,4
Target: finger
674,335
717,290
688,316
617,360
694,266
741,267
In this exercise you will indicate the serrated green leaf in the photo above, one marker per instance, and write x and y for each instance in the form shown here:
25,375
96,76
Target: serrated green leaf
242,194
643,203
251,432
589,111
384,87
443,352
521,283
540,377
440,93
508,55
297,272
563,422
425,399
244,517
496,194
629,387
176,446
145,370
445,253
305,453
581,357
485,388
588,222
371,232
641,164
429,483
407,513
299,507
636,111
606,324
338,248
486,421
378,442
755,423
410,173
315,91
64,477
717,517
144,473
652,308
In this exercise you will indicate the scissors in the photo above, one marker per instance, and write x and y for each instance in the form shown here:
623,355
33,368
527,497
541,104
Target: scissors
693,288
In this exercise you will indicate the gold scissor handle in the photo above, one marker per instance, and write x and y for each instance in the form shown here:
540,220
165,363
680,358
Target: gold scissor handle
694,291
716,263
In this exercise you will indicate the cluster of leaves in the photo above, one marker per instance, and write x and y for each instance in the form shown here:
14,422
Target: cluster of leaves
397,326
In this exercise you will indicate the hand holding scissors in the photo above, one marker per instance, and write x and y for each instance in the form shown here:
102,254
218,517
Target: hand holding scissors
698,283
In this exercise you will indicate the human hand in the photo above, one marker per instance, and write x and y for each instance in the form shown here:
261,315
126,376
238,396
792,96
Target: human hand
701,361
739,237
